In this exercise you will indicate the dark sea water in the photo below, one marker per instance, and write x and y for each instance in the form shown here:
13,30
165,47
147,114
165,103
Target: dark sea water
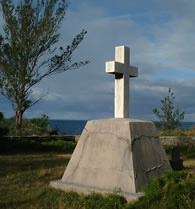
75,127
188,125
68,127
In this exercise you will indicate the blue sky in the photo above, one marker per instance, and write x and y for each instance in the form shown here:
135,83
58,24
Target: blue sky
161,37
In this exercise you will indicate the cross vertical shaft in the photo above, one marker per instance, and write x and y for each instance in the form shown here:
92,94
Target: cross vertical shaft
122,70
121,98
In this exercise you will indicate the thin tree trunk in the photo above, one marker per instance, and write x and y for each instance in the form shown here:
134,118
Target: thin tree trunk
19,117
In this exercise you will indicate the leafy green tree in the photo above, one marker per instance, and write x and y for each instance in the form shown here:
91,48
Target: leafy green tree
169,116
35,126
28,51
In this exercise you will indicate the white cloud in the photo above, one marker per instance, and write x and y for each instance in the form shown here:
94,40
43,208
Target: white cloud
168,49
161,38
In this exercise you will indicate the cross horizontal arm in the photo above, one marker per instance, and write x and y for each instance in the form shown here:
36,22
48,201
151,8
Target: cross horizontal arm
134,71
114,67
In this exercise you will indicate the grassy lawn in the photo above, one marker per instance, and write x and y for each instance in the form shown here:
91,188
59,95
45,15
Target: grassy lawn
24,180
24,183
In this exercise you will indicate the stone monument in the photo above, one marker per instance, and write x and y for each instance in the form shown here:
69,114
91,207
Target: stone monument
118,154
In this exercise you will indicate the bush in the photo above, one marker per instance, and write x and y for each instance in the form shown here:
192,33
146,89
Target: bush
169,115
173,133
58,146
178,132
33,127
173,189
187,152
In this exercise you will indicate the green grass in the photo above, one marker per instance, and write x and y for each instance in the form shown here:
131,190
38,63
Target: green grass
24,180
178,132
25,177
172,190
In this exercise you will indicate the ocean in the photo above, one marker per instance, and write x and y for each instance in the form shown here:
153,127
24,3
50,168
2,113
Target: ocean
75,127
68,127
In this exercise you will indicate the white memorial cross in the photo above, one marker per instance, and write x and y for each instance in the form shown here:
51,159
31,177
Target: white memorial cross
122,70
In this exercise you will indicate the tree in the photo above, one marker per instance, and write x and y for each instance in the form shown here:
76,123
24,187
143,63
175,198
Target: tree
169,115
30,127
28,51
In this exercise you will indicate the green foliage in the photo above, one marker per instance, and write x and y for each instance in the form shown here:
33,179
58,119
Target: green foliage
72,200
187,152
24,181
33,146
173,133
58,146
28,50
173,189
4,130
94,200
114,201
99,201
169,116
33,127
168,149
178,132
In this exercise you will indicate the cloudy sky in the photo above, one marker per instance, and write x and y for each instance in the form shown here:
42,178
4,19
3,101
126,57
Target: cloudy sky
161,37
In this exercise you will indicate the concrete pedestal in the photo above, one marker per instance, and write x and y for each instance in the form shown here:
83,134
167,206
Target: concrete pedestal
115,155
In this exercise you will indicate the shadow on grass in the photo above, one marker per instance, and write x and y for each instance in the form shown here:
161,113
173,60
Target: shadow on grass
33,146
21,163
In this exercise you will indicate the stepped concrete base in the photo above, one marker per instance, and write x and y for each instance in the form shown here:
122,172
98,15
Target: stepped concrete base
115,155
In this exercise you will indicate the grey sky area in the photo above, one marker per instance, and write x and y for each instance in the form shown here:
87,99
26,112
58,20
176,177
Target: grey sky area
161,38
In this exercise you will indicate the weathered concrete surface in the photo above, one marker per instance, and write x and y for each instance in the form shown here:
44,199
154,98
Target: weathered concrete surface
115,155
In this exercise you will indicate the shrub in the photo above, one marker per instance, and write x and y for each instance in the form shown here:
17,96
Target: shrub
173,133
58,145
173,189
178,132
114,201
169,115
35,126
187,152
